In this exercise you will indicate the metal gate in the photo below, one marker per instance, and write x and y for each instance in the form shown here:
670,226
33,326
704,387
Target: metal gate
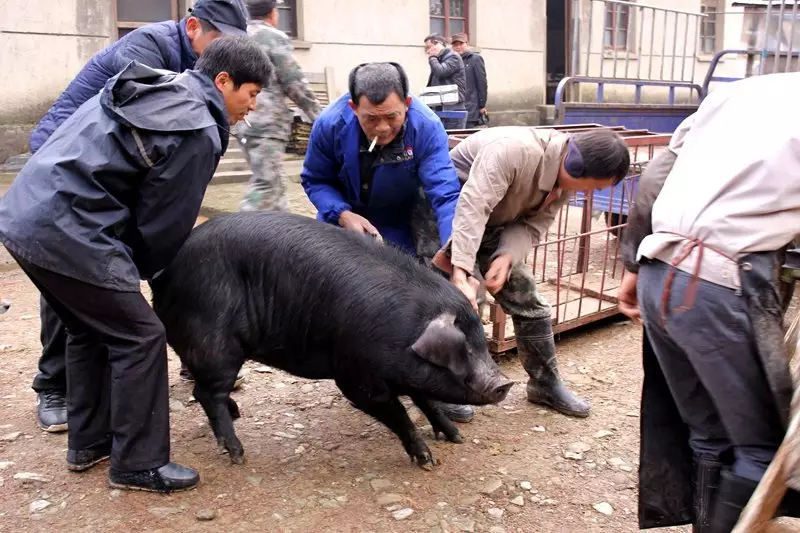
578,266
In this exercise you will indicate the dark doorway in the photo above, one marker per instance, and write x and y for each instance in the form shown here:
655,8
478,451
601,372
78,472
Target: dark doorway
556,46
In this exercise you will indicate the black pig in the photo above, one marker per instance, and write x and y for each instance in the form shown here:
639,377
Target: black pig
321,302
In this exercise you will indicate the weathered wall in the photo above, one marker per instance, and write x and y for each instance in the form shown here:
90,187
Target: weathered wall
43,44
511,41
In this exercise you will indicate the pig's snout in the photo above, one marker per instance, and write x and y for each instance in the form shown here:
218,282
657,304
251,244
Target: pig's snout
498,391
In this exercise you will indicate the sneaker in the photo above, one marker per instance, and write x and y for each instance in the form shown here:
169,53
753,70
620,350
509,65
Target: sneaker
81,460
171,477
51,410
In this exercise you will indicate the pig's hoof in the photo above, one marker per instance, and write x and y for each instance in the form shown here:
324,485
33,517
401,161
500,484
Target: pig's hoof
456,438
453,436
237,459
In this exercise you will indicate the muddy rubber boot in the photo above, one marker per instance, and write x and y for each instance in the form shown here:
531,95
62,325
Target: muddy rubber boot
705,486
734,493
537,350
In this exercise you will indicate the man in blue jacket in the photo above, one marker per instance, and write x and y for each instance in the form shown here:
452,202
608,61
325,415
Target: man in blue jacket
170,45
370,153
108,200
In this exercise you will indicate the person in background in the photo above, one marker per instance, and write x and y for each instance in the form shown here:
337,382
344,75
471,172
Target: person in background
169,45
447,68
106,202
264,139
477,85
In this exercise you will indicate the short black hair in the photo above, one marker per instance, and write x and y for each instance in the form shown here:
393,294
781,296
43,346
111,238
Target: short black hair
377,81
240,57
605,154
260,8
436,37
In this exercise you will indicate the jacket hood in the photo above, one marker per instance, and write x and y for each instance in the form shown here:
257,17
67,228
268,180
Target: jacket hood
160,100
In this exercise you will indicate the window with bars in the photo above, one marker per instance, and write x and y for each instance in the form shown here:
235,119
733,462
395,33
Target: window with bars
132,14
617,24
287,17
449,17
709,27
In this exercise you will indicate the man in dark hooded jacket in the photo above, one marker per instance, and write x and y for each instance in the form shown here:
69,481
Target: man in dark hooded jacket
168,45
108,200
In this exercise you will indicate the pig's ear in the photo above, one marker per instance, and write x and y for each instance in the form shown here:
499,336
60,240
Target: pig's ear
442,343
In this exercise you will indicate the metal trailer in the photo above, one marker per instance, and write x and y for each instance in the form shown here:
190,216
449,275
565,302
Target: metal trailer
577,265
770,36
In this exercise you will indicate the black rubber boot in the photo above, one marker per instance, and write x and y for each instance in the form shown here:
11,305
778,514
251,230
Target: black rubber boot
734,493
705,486
537,350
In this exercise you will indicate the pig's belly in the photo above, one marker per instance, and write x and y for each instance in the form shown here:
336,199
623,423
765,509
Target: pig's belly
309,366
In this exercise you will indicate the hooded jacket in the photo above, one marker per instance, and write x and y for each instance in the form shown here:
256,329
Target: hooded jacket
162,45
114,193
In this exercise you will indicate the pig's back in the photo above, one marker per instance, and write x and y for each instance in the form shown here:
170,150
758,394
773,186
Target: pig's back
279,281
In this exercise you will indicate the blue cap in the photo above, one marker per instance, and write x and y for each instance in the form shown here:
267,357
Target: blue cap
228,16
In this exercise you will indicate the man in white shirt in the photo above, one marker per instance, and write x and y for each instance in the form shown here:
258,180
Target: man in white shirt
708,289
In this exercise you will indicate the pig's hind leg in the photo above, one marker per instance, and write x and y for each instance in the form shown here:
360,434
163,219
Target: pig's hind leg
381,403
440,424
221,410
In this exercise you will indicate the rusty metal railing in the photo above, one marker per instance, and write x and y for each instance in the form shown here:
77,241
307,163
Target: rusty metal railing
578,266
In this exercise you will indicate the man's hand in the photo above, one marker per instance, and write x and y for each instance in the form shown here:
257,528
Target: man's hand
483,111
498,273
359,224
467,285
433,51
628,301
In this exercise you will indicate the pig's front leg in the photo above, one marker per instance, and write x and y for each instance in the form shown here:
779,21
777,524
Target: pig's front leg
439,422
379,402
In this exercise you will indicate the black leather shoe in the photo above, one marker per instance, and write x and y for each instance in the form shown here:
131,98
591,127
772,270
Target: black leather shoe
80,460
51,410
458,413
171,477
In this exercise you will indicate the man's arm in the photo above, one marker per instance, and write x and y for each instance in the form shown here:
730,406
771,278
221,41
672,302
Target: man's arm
482,85
320,175
446,68
518,239
439,179
292,80
490,177
651,182
169,201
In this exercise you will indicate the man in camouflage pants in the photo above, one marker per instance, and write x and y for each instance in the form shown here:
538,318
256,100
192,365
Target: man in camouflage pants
264,141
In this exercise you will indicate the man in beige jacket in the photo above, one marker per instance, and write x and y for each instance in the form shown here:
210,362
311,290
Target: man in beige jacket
515,181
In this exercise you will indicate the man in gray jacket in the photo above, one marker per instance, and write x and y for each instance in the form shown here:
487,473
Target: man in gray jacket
447,68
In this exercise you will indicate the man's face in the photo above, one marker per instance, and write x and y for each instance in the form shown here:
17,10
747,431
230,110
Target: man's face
197,37
238,101
586,184
433,48
460,47
383,120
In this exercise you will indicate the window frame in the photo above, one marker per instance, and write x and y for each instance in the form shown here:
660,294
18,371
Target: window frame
131,24
708,8
447,18
614,46
291,6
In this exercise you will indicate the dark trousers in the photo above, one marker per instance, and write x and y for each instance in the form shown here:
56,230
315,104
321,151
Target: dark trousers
52,363
710,361
116,366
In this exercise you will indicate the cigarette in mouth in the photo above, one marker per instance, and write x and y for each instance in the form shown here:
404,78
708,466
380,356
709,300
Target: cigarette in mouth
374,141
247,121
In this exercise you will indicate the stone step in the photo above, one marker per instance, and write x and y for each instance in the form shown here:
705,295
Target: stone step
232,164
231,176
